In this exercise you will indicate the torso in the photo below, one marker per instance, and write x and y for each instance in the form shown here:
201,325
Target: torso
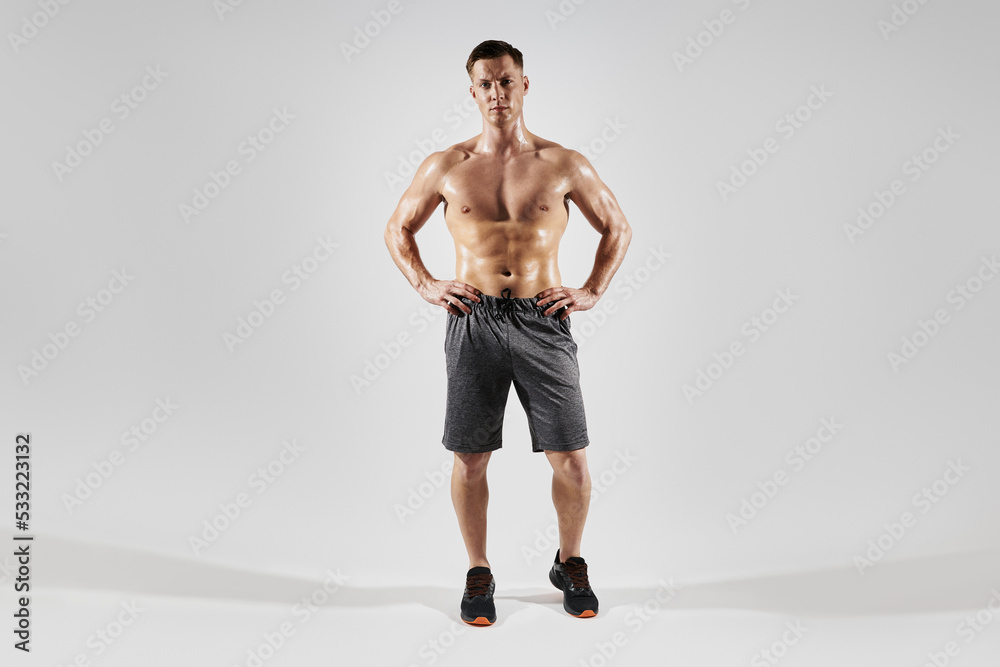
507,217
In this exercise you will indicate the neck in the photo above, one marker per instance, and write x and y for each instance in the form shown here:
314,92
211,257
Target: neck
506,140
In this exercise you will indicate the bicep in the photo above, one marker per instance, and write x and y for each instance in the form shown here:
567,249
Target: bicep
592,196
420,198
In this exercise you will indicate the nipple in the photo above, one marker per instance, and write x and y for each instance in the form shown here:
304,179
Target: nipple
466,209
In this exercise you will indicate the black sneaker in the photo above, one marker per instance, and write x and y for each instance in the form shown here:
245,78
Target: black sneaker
477,603
571,578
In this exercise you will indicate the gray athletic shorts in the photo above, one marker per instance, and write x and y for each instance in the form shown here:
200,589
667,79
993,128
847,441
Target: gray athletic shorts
506,341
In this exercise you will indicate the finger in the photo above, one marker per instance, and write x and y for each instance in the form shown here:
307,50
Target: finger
458,290
557,305
471,292
460,305
550,295
546,292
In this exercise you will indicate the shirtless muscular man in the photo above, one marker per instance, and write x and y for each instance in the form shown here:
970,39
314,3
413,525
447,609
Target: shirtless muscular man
506,195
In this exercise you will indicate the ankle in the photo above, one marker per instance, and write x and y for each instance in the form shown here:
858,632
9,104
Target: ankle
566,554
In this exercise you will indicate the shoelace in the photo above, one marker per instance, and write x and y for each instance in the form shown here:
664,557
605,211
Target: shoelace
577,574
478,584
507,304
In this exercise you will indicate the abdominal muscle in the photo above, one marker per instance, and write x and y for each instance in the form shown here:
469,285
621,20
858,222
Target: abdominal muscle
492,261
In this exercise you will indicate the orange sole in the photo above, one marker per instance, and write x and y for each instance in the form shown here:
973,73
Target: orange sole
586,614
480,620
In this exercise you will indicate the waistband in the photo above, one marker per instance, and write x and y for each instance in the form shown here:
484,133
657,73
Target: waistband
502,305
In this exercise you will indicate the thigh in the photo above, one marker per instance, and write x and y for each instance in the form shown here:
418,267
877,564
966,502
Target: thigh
478,364
546,376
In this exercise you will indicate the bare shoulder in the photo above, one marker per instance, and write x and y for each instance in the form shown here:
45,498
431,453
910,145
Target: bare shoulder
569,161
432,171
441,161
574,167
463,150
581,180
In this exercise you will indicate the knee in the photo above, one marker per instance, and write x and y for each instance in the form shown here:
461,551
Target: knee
571,467
470,467
577,475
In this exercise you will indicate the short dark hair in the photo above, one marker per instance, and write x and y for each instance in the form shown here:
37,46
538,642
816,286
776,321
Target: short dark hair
493,48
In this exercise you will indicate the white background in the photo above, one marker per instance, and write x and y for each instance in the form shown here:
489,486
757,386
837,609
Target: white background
608,79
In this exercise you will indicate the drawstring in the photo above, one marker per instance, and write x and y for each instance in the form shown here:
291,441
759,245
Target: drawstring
507,304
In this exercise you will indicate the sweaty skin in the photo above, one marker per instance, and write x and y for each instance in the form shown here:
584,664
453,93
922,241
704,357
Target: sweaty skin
507,216
506,194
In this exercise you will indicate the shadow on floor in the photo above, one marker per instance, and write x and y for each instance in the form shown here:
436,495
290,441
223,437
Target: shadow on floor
925,585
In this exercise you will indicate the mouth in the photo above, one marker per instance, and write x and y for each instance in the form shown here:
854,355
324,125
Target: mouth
498,109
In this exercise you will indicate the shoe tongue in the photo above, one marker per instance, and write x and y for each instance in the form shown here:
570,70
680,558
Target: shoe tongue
478,570
576,560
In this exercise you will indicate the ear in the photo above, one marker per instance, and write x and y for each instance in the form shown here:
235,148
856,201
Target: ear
472,91
525,84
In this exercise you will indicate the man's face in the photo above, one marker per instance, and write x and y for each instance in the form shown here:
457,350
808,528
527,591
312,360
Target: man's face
499,87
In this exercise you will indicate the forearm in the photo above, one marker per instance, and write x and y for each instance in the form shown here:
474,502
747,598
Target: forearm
403,248
610,254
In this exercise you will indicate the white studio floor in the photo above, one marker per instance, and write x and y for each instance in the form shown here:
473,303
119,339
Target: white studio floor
153,610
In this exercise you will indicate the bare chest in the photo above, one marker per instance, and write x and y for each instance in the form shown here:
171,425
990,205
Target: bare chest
522,190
